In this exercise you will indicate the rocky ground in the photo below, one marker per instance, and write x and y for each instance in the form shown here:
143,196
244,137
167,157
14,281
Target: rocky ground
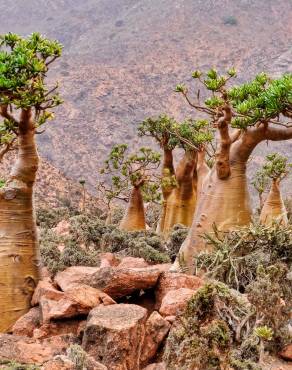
115,316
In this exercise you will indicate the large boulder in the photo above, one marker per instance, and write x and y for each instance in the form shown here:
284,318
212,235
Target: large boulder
172,280
27,323
75,275
31,351
116,282
156,330
114,335
45,289
76,300
175,301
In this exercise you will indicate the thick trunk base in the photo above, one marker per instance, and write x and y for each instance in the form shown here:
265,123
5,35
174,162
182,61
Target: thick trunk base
18,253
224,203
134,218
274,209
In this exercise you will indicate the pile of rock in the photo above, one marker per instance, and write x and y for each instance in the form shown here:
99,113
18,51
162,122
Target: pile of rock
118,313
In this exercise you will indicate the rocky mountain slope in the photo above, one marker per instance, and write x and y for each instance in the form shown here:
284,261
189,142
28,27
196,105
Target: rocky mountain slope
123,58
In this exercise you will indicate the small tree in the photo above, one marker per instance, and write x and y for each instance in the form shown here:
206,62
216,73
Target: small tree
25,105
275,170
132,180
179,187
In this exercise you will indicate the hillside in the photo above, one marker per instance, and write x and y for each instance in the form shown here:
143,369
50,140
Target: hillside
122,59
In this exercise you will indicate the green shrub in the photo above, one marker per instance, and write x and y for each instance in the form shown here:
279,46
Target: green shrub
77,355
74,255
145,244
13,365
49,252
203,337
86,229
176,238
237,255
49,218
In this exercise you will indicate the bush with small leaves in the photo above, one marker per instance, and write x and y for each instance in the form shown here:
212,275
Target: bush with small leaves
74,255
87,229
176,238
49,252
77,355
50,217
144,244
12,365
237,255
204,335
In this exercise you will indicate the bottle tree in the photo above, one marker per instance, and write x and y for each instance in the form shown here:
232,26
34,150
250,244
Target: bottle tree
161,130
275,169
192,136
133,179
260,182
179,186
25,105
243,116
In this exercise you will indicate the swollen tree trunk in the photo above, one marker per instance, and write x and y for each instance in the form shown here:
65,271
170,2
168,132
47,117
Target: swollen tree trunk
223,202
167,174
203,171
18,234
274,208
134,218
182,200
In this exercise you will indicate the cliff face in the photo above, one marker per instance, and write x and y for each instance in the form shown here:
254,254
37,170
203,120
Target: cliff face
123,58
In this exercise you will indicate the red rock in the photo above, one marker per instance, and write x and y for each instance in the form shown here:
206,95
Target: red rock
108,260
61,309
32,351
87,296
27,323
63,228
171,281
175,301
59,363
47,290
286,352
114,335
121,282
59,327
132,262
170,319
116,282
75,275
157,366
76,300
156,329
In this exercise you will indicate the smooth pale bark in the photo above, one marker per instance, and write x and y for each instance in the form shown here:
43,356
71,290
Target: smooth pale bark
18,234
182,200
167,174
203,171
225,202
134,218
274,208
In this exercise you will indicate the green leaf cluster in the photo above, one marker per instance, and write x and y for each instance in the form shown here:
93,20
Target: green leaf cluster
131,169
24,63
261,100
